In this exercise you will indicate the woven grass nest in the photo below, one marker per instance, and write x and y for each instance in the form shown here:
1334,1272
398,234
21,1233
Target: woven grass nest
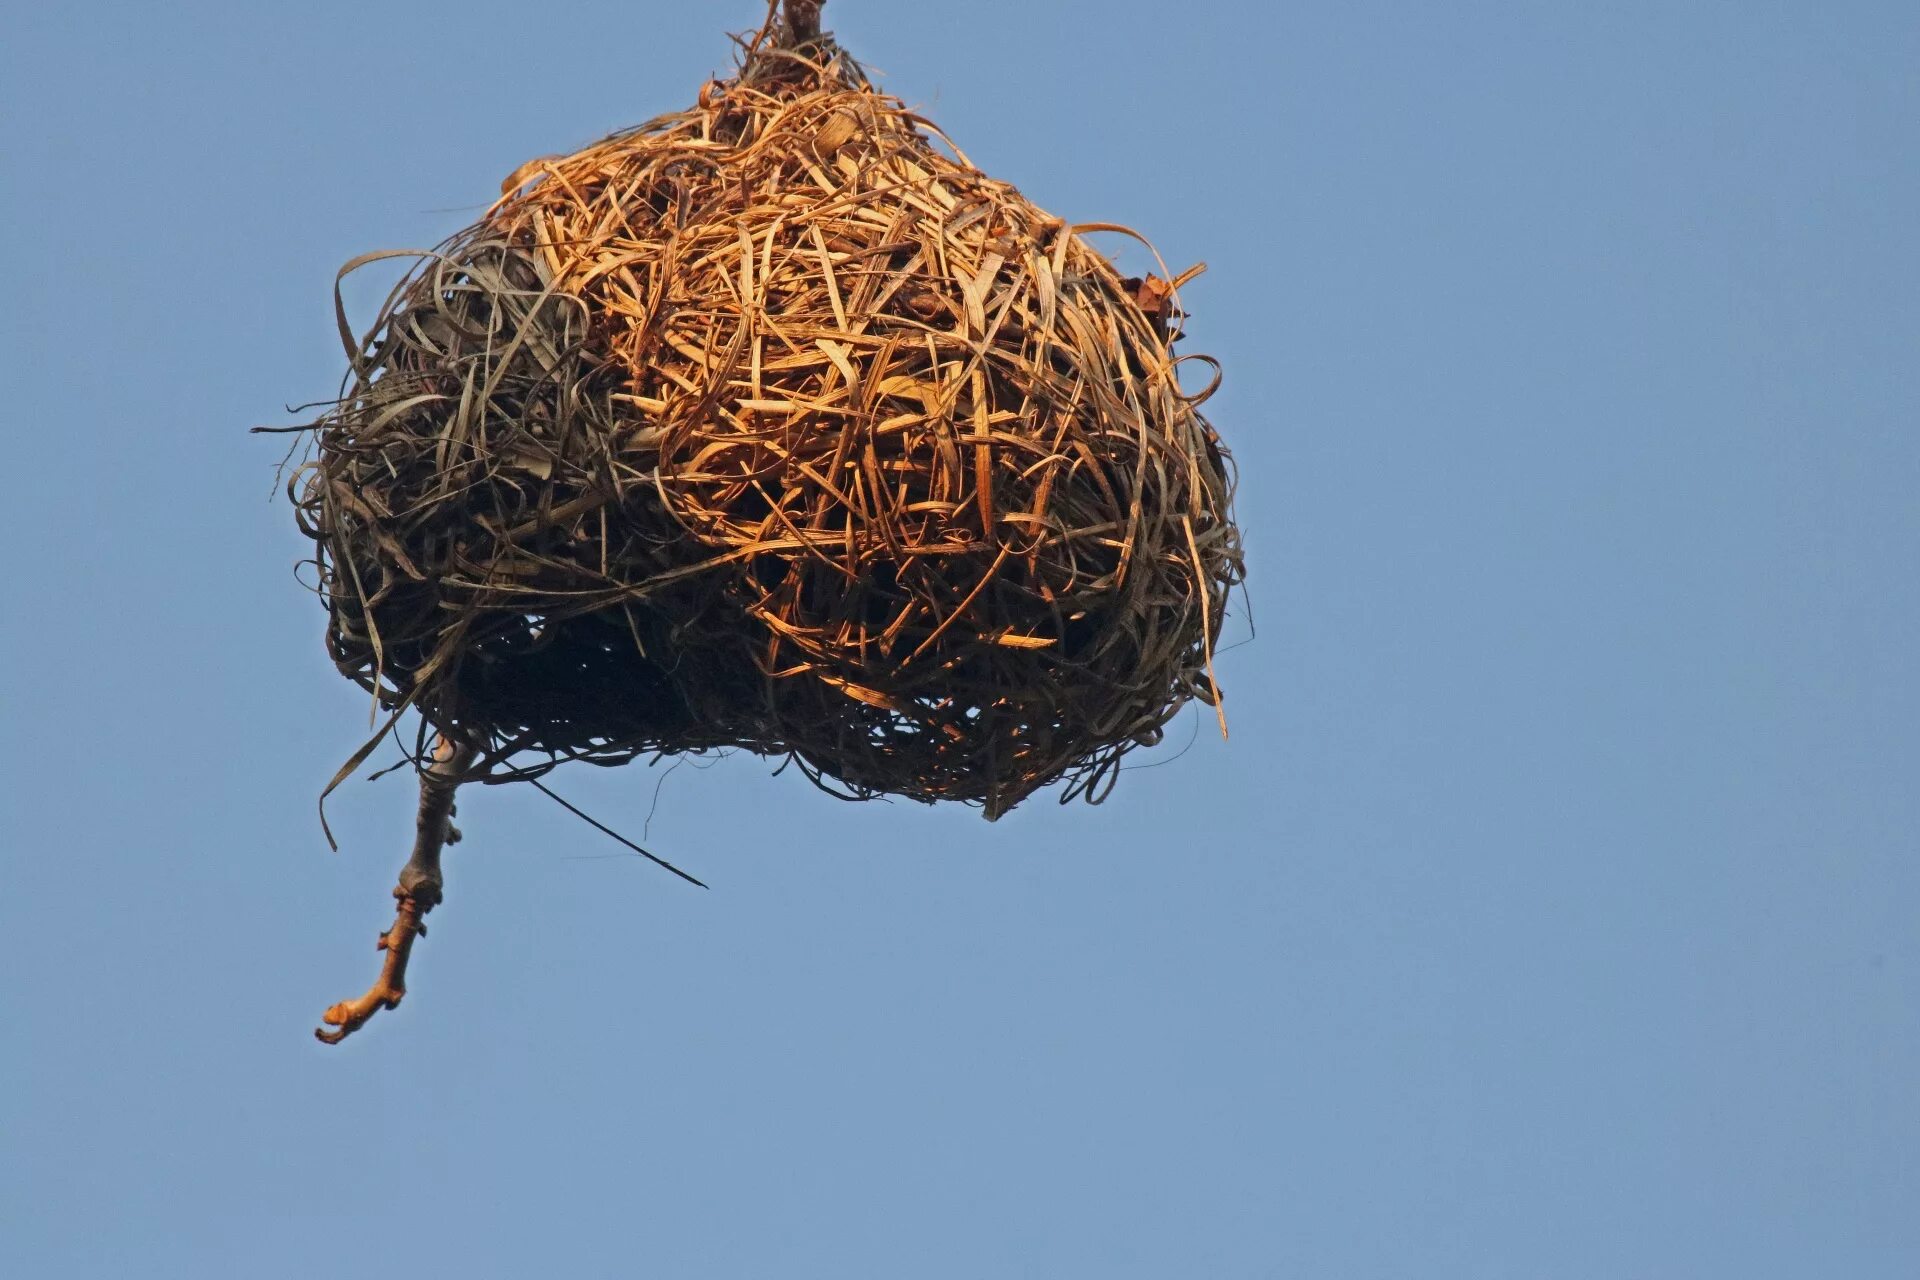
775,424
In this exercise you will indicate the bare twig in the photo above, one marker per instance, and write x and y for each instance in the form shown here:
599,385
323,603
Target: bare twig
350,1015
419,891
802,24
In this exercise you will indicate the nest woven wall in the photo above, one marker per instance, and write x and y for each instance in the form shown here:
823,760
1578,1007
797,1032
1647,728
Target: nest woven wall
775,424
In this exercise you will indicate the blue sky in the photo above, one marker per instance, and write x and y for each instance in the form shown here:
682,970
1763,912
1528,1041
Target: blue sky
1551,911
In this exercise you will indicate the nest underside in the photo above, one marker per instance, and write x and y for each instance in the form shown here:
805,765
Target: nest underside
773,425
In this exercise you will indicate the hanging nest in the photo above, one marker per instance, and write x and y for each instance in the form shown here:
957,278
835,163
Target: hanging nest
775,424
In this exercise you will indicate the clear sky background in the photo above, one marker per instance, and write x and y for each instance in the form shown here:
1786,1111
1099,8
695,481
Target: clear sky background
1553,912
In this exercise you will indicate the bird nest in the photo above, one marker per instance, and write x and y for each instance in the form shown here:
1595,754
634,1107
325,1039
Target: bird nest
775,424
